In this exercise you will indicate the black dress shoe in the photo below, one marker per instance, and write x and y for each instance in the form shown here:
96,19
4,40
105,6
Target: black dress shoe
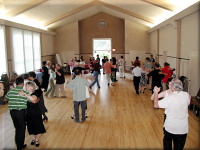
33,142
37,144
24,146
72,116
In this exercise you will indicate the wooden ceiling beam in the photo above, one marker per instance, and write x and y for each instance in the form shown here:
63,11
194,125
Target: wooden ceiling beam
161,3
25,7
126,12
70,13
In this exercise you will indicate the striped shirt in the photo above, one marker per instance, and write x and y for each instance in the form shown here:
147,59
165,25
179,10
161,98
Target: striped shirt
16,101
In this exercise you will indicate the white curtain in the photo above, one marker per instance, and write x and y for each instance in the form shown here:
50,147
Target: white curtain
26,50
18,50
37,50
3,56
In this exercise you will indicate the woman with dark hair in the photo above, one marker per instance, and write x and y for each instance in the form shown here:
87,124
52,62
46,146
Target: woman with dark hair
43,109
45,76
33,117
114,63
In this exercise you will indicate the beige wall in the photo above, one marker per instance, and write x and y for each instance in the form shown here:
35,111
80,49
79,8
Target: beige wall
136,38
47,47
89,29
153,41
125,35
67,41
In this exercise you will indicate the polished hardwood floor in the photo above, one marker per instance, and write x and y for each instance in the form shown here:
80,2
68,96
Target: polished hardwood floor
118,118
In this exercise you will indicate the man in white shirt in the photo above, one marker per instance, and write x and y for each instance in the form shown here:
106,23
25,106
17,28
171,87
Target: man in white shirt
121,64
136,79
176,110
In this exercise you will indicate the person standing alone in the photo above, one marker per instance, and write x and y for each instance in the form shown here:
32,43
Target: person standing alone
121,64
79,94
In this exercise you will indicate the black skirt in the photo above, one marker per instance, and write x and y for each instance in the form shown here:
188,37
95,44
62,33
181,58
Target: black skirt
34,119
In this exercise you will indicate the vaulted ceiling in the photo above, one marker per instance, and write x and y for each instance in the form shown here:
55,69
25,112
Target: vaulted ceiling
52,14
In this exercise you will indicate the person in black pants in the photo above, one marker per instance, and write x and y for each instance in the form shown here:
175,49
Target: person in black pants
114,60
136,79
45,76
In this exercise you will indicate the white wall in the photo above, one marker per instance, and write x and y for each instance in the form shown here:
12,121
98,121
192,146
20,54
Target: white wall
189,48
190,33
168,40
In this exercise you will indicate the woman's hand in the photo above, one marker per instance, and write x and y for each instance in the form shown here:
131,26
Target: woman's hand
21,93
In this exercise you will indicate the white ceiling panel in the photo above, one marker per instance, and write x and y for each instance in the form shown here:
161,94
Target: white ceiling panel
8,5
52,9
56,13
76,17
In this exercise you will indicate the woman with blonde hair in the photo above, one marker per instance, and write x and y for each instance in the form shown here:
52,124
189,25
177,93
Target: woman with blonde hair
33,117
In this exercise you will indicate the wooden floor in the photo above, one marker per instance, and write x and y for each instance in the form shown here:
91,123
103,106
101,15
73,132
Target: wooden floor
118,119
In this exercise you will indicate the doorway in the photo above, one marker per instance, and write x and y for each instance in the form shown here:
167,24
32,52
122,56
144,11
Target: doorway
102,47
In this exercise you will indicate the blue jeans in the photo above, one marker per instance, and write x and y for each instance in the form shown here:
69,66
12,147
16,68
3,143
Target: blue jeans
95,73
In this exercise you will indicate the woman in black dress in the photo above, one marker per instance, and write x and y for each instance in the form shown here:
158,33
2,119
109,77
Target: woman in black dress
43,109
34,118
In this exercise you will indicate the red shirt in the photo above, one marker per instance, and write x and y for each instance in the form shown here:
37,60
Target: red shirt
135,62
169,73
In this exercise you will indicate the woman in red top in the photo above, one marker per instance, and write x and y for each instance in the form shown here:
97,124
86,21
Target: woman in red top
168,74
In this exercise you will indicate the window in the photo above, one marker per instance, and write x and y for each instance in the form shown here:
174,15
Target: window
101,23
3,58
36,50
26,50
102,44
102,47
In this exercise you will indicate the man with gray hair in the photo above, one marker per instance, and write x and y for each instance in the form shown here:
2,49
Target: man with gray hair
176,110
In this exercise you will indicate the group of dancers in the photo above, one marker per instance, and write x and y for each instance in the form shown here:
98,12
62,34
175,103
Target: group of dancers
26,102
